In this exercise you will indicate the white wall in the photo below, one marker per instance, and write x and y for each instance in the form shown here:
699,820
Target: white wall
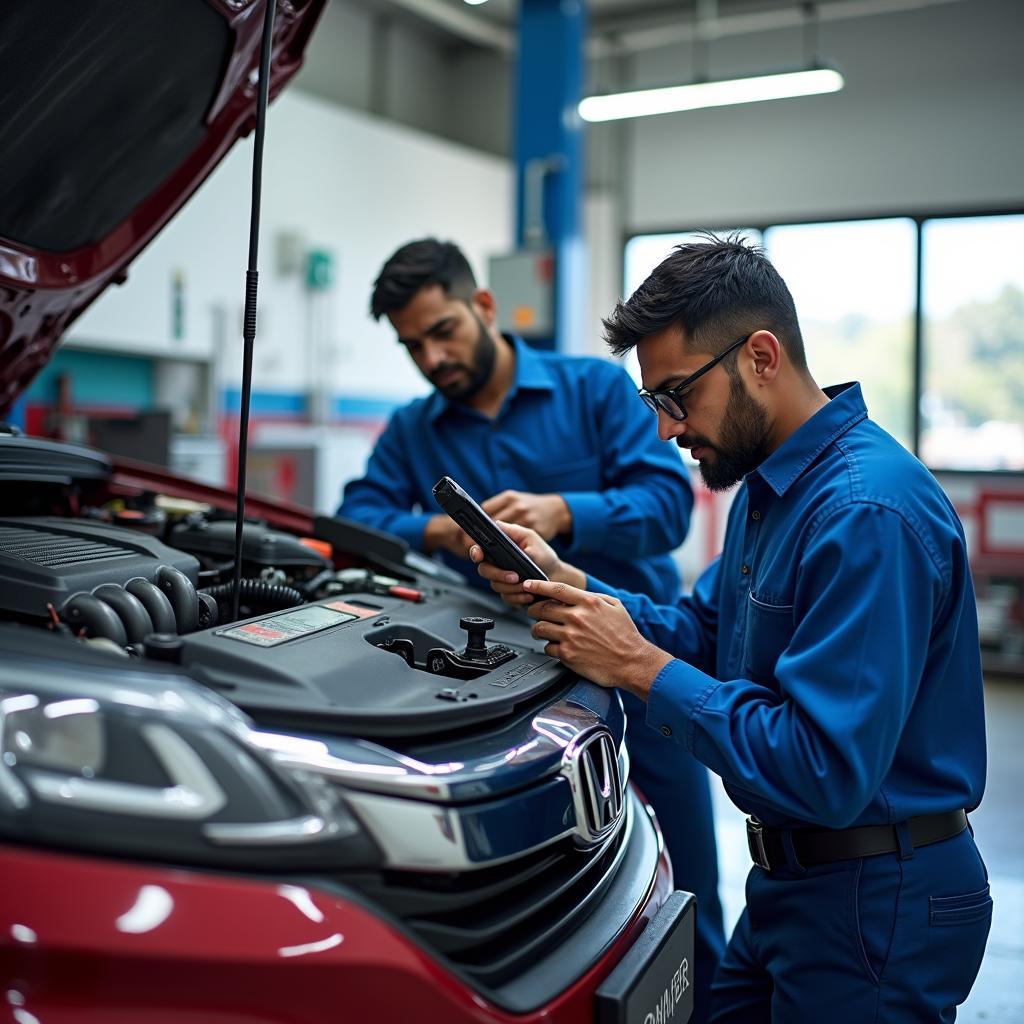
930,120
354,185
379,59
338,63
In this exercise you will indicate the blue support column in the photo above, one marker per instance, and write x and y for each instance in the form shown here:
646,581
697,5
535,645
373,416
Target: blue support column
549,86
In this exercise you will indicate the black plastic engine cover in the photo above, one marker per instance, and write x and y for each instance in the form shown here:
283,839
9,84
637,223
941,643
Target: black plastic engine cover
46,559
40,460
261,546
319,666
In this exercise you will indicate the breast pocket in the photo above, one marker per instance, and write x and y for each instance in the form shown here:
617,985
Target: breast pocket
768,633
577,475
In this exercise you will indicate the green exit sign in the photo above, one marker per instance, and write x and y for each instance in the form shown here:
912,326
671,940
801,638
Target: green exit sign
319,269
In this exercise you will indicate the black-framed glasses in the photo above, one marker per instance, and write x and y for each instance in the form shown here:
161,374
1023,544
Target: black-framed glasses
671,399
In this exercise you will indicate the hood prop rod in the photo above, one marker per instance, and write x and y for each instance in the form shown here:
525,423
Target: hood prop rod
251,286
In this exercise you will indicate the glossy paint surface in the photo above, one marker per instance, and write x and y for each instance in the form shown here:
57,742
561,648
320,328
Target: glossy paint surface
88,941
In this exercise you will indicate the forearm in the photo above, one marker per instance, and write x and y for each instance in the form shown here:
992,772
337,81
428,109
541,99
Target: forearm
683,630
647,520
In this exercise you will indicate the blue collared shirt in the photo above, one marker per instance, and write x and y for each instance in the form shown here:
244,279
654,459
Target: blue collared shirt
569,425
829,666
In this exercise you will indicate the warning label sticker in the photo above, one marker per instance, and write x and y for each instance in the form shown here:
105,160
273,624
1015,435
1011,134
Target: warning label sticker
289,626
363,611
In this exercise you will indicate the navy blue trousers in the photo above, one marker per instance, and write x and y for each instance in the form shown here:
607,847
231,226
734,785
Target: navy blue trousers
878,940
676,785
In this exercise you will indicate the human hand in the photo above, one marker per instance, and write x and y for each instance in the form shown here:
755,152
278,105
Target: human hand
443,533
546,514
594,636
507,584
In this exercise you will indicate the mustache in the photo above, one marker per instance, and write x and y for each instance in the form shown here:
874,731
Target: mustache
692,442
447,368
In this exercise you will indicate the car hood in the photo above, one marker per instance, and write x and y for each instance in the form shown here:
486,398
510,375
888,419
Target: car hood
113,115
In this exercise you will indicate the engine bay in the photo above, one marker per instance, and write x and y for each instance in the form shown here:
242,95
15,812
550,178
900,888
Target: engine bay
342,634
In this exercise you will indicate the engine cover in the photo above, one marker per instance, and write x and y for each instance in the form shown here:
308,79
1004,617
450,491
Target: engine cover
46,559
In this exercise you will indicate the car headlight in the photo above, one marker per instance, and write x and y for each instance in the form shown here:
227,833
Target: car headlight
152,764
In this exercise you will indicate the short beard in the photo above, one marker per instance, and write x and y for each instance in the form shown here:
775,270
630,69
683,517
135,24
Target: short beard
743,442
485,353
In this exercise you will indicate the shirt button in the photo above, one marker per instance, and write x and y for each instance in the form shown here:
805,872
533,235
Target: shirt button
745,570
666,730
755,515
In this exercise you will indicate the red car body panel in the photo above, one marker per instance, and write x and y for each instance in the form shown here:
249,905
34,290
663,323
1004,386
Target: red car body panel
41,293
225,949
133,478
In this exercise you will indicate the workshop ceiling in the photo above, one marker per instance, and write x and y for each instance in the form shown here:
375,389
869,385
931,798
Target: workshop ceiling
638,24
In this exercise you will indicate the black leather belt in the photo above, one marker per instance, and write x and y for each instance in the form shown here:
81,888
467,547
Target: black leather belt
768,849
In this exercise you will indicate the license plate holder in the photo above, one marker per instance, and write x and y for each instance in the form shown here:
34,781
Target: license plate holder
653,983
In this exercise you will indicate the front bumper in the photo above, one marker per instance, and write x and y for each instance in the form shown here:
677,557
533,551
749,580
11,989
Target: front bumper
90,941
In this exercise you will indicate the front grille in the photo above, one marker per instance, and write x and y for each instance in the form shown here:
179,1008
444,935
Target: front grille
55,550
494,923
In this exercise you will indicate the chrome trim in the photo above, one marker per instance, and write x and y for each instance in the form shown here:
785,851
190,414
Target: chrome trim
418,836
307,828
584,800
591,767
755,843
499,762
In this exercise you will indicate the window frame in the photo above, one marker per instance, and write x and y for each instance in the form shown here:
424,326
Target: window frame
919,219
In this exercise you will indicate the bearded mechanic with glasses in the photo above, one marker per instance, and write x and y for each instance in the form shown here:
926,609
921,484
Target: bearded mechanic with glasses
827,664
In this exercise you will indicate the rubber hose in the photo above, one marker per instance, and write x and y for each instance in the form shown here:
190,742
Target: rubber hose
256,593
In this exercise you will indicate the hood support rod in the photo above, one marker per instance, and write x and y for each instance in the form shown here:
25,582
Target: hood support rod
251,287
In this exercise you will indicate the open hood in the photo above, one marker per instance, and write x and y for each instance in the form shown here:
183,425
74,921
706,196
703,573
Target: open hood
113,114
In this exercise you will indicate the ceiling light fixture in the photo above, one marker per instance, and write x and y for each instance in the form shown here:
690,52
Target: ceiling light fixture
644,102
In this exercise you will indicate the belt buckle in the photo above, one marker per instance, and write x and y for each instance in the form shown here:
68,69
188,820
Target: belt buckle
755,844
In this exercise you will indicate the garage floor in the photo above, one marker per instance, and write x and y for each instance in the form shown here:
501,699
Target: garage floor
998,995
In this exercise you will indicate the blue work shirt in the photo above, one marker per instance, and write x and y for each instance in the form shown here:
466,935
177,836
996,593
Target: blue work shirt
830,668
569,425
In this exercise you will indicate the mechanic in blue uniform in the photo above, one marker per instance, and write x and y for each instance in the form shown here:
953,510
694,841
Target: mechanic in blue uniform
826,665
556,443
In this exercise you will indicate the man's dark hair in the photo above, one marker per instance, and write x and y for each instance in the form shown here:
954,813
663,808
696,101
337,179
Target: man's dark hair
717,290
416,265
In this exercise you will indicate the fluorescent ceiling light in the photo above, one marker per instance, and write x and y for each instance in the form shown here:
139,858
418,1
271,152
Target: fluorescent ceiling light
643,102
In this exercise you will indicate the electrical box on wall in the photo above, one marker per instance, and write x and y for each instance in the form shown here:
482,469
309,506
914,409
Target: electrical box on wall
523,283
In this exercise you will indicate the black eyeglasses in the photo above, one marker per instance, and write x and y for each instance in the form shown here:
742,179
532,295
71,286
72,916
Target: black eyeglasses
671,399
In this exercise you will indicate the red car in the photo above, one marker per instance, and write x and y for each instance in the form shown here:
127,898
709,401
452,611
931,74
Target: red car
364,795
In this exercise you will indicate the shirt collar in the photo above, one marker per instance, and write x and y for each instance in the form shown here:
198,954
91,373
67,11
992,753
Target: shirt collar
785,465
531,373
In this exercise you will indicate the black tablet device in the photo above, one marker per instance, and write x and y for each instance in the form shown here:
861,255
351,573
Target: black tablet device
499,548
